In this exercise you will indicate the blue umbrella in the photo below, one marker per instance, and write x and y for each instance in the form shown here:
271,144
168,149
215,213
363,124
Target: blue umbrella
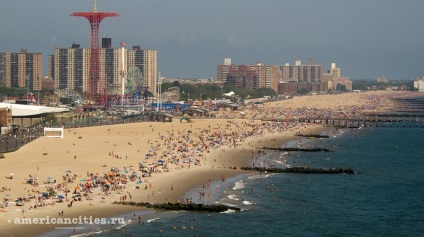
138,182
61,197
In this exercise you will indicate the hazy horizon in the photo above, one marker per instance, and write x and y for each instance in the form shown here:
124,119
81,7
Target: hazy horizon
366,39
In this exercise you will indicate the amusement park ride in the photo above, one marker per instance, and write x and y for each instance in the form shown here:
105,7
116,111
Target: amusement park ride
97,96
134,90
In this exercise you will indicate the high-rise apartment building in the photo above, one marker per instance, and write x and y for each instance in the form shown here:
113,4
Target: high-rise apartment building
301,73
334,80
334,71
2,69
227,68
146,61
243,76
23,69
71,67
271,75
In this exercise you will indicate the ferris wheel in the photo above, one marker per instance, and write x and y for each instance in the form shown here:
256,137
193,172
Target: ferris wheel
134,81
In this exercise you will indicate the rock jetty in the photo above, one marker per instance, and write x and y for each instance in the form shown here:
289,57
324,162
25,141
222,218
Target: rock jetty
313,135
182,206
302,170
315,149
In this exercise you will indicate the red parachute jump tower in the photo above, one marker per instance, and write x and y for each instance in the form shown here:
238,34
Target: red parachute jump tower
93,91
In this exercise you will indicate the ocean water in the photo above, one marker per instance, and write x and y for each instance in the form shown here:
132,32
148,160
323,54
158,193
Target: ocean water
385,197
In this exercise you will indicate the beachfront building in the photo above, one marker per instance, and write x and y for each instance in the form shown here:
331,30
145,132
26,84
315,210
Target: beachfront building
270,76
2,69
335,81
266,76
5,117
300,72
243,76
171,94
146,61
293,87
419,83
21,69
69,67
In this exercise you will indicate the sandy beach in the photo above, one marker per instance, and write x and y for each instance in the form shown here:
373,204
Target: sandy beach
178,156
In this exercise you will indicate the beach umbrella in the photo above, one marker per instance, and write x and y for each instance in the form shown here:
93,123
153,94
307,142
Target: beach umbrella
49,177
11,174
82,180
68,171
138,182
60,197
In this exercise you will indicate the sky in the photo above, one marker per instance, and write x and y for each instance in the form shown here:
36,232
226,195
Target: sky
365,38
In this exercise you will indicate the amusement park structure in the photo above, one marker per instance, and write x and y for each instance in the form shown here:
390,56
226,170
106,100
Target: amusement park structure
94,92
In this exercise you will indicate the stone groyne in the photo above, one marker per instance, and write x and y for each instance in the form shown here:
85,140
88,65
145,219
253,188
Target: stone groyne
316,149
302,170
181,206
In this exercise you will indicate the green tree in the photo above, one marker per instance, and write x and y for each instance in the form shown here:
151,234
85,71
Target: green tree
303,91
66,101
176,83
50,118
341,87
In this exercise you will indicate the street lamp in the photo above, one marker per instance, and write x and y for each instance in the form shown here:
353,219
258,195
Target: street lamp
38,89
159,101
188,95
27,85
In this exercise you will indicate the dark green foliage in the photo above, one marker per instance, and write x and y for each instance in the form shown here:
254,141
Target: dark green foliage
202,91
50,117
372,84
17,92
303,91
66,101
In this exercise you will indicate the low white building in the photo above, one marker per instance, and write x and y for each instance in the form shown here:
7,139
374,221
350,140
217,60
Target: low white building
419,83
